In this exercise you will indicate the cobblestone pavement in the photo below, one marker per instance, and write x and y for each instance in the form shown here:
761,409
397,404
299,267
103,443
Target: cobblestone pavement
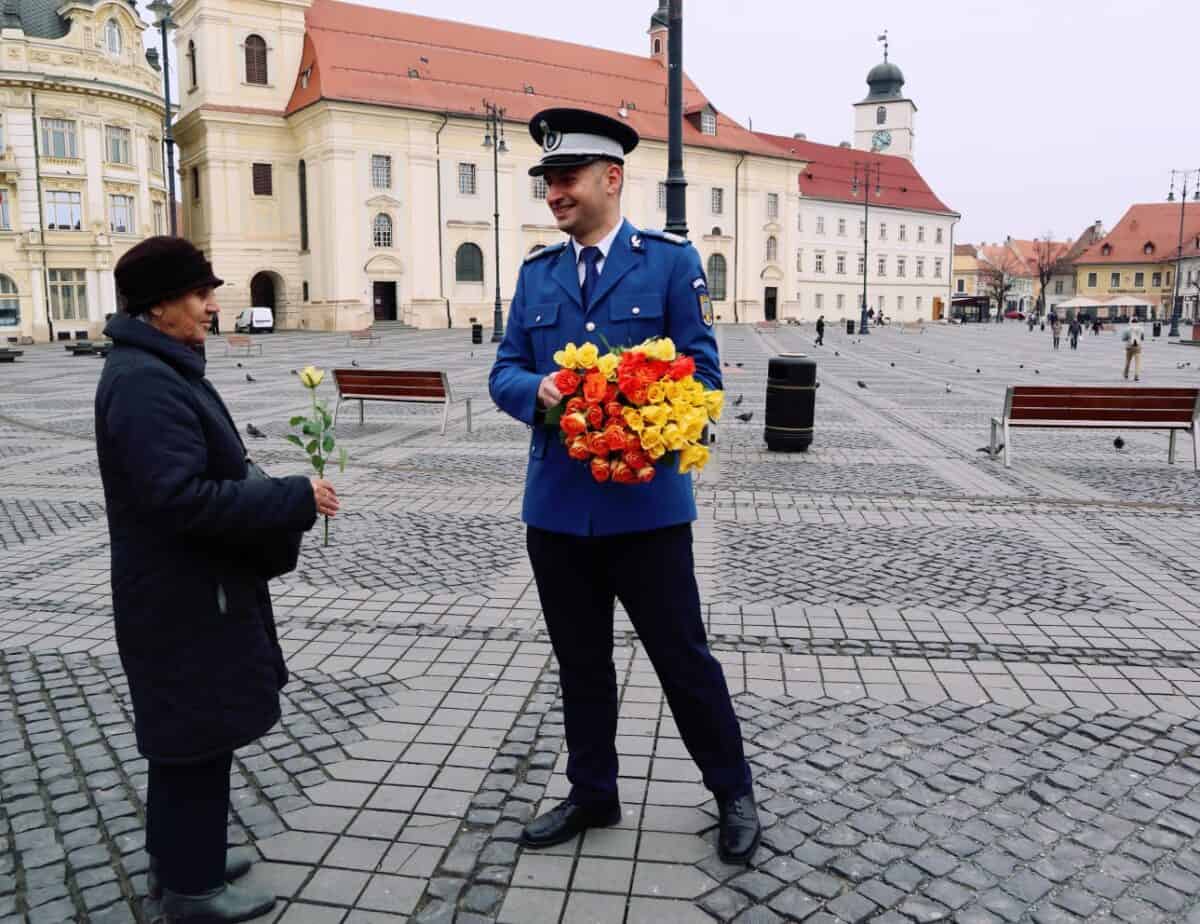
969,693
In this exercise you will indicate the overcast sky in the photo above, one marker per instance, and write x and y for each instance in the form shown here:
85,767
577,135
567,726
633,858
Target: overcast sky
1034,115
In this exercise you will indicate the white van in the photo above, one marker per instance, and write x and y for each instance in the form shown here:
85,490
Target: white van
255,321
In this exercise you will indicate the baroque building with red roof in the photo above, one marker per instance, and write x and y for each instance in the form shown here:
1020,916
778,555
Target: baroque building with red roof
332,168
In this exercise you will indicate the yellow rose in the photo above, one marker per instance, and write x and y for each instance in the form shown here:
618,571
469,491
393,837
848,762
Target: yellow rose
608,365
714,402
656,414
656,393
633,419
567,357
693,427
587,355
673,437
311,376
652,439
672,390
666,349
693,457
657,452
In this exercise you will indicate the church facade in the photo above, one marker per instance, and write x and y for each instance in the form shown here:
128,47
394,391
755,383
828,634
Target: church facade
333,168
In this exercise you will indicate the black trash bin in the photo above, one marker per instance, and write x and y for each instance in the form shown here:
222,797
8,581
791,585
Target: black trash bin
1158,328
477,333
791,401
849,326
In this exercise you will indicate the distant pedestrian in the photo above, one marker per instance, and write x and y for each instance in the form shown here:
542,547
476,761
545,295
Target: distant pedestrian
1055,330
821,331
1132,338
215,326
1074,329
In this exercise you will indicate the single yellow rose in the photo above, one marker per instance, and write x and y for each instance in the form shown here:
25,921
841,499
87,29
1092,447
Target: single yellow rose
714,403
652,439
693,427
567,357
587,355
672,391
666,349
693,457
311,376
656,393
673,437
608,365
633,419
657,452
656,414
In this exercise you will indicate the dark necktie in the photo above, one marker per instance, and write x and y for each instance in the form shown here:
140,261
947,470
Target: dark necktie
591,274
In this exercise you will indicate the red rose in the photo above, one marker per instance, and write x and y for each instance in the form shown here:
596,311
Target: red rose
610,394
573,424
595,386
576,406
600,469
682,368
623,474
656,370
566,382
595,416
615,437
635,458
597,443
577,449
639,397
614,410
645,474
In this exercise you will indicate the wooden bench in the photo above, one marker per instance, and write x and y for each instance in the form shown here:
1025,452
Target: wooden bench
1070,406
10,356
89,347
367,334
364,385
241,342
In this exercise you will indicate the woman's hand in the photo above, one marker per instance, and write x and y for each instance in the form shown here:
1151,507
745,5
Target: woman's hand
326,497
548,393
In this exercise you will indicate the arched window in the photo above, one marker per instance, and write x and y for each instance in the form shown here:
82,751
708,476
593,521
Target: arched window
716,277
112,37
191,56
880,115
10,304
381,231
658,46
256,60
302,174
772,249
468,264
716,231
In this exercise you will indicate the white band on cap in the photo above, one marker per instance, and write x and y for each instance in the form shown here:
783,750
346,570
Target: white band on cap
581,144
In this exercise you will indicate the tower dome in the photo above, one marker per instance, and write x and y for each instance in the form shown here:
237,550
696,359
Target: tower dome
886,81
660,18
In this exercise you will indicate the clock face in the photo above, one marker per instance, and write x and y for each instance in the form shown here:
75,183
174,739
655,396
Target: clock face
881,140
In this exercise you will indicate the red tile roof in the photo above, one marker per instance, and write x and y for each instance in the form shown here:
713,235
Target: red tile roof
1151,223
965,250
830,173
363,54
1002,257
1031,251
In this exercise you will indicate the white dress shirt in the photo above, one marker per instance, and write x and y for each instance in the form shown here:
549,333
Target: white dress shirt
605,244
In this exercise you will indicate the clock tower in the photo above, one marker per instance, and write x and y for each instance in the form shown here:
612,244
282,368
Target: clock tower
884,121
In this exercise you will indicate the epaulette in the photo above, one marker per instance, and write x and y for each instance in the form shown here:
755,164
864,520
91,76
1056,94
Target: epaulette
545,251
666,236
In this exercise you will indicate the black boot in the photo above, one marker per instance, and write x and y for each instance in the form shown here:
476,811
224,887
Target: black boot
225,905
740,830
238,861
563,822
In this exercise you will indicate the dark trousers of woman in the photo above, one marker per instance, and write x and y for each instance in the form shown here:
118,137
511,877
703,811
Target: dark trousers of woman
652,573
187,809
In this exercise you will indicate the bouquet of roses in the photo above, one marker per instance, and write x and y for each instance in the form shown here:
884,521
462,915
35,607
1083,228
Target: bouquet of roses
624,410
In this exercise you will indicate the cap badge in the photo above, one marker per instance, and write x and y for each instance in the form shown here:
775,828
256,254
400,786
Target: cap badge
550,139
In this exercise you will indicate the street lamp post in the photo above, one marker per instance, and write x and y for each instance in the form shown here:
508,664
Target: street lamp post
676,183
1176,301
494,139
162,13
865,167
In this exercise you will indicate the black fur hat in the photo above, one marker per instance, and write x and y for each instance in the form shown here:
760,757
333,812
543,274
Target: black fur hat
159,269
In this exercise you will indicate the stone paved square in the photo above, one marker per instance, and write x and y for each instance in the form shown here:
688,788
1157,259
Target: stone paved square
968,693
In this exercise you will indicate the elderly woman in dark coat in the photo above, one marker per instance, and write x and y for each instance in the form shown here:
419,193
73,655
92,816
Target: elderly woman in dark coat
194,541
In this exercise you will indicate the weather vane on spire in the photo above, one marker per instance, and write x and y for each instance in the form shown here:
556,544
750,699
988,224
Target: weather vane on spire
883,38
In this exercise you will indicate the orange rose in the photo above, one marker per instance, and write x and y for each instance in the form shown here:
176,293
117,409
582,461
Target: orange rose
610,393
614,409
595,387
616,439
597,443
577,449
576,406
645,474
640,396
595,416
635,458
600,469
573,424
566,381
623,474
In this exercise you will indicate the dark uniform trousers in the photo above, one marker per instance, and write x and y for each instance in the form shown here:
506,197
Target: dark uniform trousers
187,809
652,573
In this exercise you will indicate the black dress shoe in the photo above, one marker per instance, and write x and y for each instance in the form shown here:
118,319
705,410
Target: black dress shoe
226,905
238,861
563,822
740,830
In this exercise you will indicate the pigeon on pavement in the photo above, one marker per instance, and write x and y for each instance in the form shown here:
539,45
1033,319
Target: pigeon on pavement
354,362
250,378
255,432
988,449
737,402
746,418
1118,443
862,384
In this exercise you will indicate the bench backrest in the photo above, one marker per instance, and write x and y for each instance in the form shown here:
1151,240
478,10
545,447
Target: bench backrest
238,340
1084,402
365,334
392,384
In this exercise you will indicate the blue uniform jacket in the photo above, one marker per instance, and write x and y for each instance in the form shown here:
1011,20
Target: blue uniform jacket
652,285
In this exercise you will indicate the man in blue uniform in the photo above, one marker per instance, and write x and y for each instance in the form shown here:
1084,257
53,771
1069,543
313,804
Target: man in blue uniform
591,544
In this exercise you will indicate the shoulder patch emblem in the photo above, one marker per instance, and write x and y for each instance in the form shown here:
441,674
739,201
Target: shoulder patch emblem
706,307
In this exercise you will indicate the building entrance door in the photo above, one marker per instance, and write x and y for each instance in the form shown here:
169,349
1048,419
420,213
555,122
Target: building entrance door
770,303
385,301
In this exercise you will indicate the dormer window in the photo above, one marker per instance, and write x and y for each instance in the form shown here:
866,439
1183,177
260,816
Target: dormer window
708,123
112,37
1105,249
304,77
1148,248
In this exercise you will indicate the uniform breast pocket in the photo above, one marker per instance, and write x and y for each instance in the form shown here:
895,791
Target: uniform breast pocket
637,316
542,323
